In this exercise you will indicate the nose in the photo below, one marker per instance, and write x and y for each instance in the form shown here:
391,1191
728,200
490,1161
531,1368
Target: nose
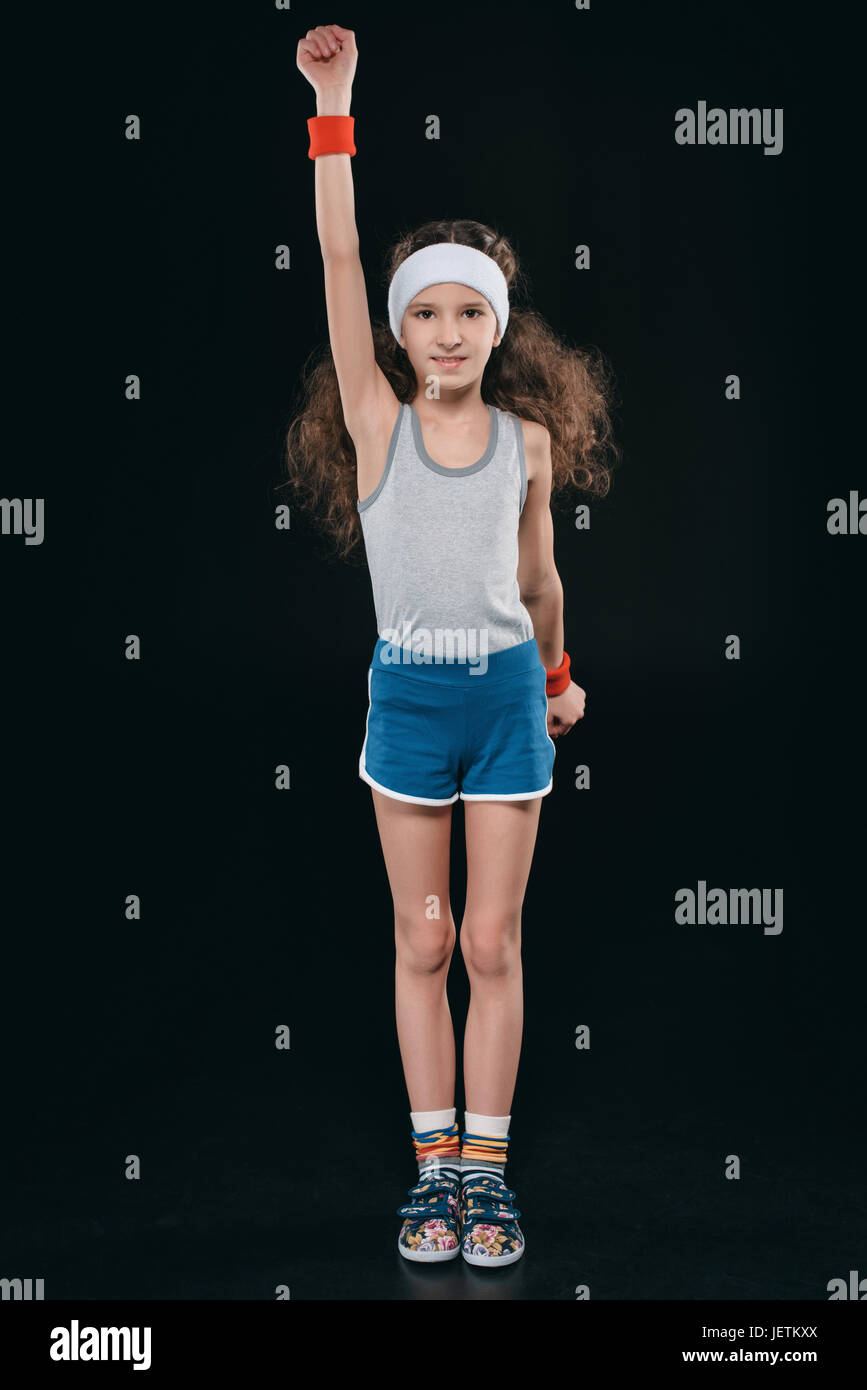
448,340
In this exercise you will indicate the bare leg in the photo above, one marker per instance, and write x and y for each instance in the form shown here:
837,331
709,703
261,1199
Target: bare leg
501,837
415,845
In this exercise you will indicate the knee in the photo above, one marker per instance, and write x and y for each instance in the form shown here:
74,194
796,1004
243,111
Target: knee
491,946
424,946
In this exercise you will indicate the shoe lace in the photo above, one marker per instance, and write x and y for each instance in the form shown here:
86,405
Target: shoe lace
434,1189
488,1200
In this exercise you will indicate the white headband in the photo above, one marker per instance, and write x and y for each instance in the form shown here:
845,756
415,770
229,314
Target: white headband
446,263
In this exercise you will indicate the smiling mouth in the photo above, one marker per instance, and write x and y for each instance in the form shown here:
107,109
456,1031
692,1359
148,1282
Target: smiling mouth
449,359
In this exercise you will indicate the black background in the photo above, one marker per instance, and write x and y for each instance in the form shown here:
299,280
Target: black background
155,777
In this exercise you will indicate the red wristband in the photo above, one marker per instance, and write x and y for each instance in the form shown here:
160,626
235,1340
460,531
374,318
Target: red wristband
559,679
331,135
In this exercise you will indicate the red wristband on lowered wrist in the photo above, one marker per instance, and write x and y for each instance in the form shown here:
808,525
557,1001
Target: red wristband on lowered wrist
331,135
558,679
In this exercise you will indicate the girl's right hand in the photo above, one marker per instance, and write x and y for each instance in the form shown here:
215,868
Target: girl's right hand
327,56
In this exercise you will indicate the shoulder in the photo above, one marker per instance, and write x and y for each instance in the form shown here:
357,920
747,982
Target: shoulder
537,447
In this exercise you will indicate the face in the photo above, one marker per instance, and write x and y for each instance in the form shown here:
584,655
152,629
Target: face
449,332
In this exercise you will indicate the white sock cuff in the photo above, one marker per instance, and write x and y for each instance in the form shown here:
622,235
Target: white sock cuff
425,1120
493,1126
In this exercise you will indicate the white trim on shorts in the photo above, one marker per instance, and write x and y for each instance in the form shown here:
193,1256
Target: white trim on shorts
400,796
505,796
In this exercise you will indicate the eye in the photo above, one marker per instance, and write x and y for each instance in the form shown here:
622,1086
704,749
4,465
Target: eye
477,312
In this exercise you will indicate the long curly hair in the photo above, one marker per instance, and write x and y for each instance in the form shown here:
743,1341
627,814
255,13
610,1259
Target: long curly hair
533,373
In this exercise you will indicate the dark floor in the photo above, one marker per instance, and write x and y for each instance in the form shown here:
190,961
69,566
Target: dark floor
632,1206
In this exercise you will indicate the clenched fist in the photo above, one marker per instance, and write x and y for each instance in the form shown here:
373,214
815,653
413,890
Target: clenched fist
327,56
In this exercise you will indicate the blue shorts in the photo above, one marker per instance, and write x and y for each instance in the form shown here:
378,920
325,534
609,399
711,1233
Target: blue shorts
440,730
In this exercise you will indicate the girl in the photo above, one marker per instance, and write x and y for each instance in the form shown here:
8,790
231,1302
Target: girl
438,441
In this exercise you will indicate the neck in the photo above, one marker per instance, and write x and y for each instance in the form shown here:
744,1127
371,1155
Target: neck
459,406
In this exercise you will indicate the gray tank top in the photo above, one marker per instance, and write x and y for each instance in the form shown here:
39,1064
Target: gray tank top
442,543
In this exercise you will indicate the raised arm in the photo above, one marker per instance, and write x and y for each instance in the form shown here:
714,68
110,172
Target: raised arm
328,57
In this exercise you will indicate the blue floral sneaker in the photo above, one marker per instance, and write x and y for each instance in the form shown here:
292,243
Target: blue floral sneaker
490,1234
431,1230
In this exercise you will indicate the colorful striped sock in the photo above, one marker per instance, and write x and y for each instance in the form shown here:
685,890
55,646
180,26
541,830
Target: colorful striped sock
485,1144
437,1147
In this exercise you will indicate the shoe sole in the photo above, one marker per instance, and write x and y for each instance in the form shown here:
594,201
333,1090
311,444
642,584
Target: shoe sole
428,1256
493,1261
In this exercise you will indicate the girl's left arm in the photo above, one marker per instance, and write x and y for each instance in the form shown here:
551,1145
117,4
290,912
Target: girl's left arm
538,581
